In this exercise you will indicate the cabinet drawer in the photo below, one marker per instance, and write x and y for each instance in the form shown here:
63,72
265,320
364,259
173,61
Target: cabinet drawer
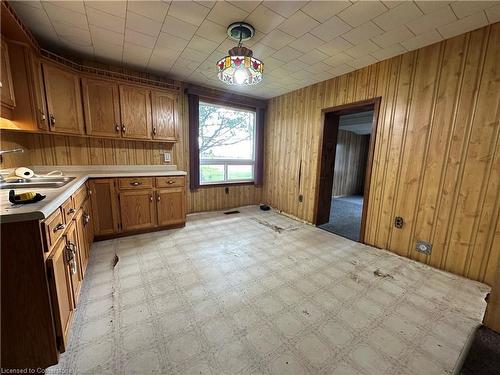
135,183
54,228
68,210
79,197
165,182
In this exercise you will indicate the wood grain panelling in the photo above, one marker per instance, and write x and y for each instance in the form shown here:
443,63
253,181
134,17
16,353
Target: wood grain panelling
350,163
436,159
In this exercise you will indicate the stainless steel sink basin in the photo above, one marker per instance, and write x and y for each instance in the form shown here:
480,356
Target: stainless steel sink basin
36,182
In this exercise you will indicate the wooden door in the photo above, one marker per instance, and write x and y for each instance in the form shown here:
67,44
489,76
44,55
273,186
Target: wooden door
165,112
171,206
61,291
102,107
82,242
135,107
104,206
6,87
74,260
64,103
39,93
137,209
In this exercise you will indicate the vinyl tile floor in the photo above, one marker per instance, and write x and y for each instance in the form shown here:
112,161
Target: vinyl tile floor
260,293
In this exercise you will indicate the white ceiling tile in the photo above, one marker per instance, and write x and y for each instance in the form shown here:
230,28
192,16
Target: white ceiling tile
176,27
361,12
140,39
73,6
202,45
105,20
341,69
472,22
286,54
394,36
212,31
298,24
466,8
206,3
392,3
115,8
362,49
106,36
143,24
156,10
188,11
398,16
225,13
294,66
277,39
493,14
226,45
72,18
323,10
422,40
284,8
312,57
168,54
247,6
264,19
270,64
108,51
430,21
193,55
335,46
318,67
361,33
32,4
331,29
306,43
135,55
363,61
262,51
388,52
338,59
171,42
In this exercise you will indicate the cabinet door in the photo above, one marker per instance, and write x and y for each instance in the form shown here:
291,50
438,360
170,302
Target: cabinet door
74,260
104,206
171,206
64,101
165,112
88,223
135,105
39,93
137,209
82,243
6,87
102,108
61,291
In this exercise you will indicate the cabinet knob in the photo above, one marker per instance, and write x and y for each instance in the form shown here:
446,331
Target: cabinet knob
71,211
151,198
136,183
117,128
123,128
89,191
59,227
42,116
158,197
170,182
86,218
154,131
52,120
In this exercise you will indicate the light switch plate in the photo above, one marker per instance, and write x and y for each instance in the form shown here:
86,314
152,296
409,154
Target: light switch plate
167,158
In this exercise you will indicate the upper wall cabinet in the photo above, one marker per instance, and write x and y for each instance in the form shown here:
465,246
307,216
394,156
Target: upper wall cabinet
102,107
62,89
165,111
135,105
40,104
6,86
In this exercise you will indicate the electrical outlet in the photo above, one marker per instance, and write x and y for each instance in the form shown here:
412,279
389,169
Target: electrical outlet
301,198
399,222
423,247
167,158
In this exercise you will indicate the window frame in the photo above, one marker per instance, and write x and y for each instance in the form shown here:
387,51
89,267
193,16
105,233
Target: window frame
227,162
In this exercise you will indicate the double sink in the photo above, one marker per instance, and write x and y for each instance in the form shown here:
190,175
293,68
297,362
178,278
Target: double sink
36,182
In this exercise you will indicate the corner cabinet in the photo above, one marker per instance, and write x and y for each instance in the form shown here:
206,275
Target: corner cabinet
64,104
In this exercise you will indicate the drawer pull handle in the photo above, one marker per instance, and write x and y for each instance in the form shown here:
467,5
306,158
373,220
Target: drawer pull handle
58,227
170,182
86,219
136,183
154,131
71,211
71,254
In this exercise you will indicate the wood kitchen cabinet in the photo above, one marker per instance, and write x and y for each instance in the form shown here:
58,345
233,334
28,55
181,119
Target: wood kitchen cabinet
59,279
40,103
171,206
7,89
165,112
62,91
101,104
82,241
137,209
74,251
104,206
135,110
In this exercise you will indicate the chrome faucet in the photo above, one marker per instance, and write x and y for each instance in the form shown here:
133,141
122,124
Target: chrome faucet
14,151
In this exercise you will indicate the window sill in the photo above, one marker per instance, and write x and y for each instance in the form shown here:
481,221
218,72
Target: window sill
226,184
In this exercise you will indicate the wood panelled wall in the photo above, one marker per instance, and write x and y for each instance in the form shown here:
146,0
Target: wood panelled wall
350,163
437,152
49,149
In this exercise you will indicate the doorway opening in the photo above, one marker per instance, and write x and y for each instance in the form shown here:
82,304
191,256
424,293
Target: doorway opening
345,168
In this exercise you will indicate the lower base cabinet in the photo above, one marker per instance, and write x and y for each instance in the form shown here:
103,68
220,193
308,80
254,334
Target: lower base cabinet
171,206
137,209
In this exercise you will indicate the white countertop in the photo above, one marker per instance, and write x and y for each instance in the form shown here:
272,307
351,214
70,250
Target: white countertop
56,196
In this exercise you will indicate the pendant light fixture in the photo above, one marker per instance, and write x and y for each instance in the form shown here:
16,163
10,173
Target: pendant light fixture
240,67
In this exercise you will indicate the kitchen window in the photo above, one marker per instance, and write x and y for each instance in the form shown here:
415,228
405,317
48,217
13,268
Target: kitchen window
226,143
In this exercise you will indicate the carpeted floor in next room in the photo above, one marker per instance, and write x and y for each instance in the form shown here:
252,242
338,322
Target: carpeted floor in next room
260,293
345,216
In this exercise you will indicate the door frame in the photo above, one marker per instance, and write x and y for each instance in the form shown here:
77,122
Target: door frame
327,151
